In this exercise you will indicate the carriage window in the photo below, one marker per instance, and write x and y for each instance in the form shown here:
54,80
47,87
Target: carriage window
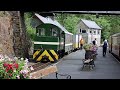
83,31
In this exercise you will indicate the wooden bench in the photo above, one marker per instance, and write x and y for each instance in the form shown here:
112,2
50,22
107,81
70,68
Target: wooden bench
46,71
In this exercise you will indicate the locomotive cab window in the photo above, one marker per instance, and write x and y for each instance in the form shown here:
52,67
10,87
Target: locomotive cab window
40,31
62,33
37,32
54,33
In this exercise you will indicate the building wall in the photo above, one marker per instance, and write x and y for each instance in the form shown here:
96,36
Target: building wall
89,37
92,36
81,25
84,35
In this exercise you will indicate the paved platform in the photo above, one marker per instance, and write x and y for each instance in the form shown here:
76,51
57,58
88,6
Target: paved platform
106,67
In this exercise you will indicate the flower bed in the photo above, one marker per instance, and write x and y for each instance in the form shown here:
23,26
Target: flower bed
14,68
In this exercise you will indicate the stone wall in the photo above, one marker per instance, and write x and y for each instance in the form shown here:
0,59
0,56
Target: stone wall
12,34
6,34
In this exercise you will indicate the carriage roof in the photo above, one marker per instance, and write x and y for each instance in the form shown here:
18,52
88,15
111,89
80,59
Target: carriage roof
48,20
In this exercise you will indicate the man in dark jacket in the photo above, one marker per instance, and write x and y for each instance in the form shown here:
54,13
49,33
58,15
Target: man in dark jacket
105,44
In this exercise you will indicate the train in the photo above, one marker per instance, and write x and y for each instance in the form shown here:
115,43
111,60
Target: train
114,45
52,41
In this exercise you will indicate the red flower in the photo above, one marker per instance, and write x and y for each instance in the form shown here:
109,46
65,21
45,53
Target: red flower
8,67
15,65
5,64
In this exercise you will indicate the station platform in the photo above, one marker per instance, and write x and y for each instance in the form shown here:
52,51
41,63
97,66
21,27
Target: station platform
106,67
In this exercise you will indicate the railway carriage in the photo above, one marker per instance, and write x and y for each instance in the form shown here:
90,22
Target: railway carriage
68,39
114,45
51,41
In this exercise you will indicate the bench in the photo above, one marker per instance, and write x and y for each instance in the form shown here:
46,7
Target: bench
46,71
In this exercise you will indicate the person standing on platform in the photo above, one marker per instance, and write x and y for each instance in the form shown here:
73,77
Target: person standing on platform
95,42
105,45
81,43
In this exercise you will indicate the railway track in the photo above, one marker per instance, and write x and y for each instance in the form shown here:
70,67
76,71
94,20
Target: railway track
39,66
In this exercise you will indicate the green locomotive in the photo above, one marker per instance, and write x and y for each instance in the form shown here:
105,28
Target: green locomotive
51,41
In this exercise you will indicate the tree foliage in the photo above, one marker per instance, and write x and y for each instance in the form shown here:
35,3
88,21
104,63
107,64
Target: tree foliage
30,30
110,24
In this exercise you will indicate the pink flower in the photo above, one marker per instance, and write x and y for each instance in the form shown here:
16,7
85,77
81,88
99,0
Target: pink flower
31,68
18,77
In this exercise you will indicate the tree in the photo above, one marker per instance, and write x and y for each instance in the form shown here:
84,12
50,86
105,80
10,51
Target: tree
30,30
110,24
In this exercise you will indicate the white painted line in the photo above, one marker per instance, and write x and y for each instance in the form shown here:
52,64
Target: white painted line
48,43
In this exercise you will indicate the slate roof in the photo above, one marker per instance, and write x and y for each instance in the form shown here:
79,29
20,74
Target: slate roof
48,20
90,24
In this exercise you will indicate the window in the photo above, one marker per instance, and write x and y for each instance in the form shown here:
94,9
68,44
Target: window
94,32
42,31
37,33
83,31
54,32
98,32
90,31
80,30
